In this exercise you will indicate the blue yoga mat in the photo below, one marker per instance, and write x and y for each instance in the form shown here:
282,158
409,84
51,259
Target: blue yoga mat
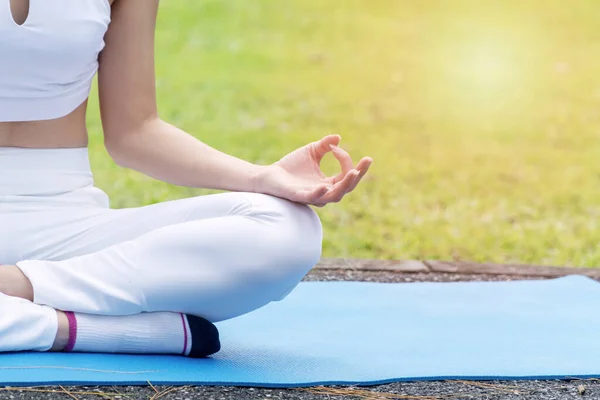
369,333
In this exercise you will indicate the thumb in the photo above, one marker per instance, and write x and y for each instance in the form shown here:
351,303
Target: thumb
323,146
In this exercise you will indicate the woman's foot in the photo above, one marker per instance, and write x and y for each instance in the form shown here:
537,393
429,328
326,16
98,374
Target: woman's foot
205,337
150,333
14,283
146,333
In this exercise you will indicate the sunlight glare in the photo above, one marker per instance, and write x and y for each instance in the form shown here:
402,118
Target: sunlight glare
485,74
488,69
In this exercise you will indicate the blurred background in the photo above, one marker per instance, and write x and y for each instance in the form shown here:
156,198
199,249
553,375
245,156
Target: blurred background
482,117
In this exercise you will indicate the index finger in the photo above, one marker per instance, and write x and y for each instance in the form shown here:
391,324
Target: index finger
345,161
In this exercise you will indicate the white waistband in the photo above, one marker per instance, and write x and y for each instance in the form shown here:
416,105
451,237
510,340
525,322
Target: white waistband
43,172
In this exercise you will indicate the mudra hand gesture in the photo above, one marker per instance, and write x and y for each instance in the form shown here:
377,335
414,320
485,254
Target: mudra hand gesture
298,176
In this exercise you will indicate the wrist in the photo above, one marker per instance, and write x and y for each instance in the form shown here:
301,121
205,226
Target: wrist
259,179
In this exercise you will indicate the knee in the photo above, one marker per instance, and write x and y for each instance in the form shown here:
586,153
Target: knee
307,238
296,232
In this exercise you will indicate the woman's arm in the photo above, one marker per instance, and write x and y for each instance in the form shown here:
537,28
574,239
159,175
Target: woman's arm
135,136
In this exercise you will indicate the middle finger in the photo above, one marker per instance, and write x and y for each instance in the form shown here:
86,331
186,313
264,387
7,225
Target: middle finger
337,192
363,167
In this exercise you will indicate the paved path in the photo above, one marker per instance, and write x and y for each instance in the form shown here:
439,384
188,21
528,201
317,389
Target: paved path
372,271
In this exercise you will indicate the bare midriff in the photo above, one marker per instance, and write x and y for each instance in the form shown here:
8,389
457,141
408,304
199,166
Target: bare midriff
65,132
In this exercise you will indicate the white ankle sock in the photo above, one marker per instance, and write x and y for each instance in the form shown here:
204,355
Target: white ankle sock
146,333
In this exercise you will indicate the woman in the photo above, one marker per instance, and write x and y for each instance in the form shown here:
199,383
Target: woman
79,276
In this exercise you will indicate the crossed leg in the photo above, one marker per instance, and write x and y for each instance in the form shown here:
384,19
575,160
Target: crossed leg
216,257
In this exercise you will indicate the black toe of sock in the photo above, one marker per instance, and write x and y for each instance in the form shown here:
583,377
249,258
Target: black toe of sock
205,337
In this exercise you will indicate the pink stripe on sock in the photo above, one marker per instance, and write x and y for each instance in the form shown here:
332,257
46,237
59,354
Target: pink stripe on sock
72,331
185,335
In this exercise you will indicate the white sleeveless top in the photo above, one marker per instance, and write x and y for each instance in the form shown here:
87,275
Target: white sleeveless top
47,64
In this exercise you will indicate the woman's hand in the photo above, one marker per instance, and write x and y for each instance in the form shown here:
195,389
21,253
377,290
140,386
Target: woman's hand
298,176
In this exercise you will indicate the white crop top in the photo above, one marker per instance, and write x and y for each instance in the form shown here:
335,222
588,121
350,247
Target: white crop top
47,65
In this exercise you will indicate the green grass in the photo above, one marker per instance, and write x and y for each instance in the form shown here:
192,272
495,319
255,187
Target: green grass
482,116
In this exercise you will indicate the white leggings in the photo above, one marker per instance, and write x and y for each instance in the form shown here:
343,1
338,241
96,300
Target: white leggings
216,256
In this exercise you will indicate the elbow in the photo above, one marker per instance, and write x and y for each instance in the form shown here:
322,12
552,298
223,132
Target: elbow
124,150
121,143
117,150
